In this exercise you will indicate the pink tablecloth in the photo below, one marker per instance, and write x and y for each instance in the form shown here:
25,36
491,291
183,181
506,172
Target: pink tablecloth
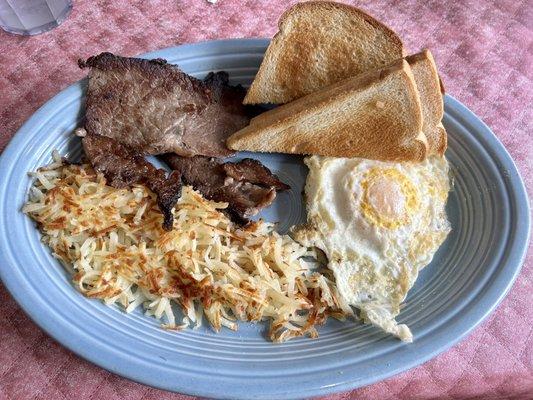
484,51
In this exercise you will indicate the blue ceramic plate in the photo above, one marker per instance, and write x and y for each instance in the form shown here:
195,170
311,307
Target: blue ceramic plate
470,274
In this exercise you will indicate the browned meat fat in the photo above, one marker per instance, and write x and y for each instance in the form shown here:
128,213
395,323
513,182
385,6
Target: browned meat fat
123,167
154,107
247,185
250,170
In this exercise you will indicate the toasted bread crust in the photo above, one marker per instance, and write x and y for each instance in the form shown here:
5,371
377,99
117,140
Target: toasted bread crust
375,115
429,87
302,58
441,140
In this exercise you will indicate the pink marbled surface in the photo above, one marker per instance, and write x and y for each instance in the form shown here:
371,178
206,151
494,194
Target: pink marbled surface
484,50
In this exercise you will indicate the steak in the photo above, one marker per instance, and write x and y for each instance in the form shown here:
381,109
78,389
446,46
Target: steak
252,171
123,167
247,186
154,107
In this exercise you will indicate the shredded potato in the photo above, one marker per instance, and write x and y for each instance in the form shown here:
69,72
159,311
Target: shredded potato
112,242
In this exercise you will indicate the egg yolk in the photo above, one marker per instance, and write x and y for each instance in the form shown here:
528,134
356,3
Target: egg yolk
386,198
389,198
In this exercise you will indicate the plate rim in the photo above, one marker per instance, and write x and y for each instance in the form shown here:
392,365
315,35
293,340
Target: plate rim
494,296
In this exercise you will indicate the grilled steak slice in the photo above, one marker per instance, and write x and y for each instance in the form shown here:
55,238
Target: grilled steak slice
250,170
122,167
154,107
248,187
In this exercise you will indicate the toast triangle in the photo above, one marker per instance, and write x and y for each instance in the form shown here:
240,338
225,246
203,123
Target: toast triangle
320,43
374,115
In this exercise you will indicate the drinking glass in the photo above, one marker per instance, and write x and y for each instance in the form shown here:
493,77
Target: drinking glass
31,17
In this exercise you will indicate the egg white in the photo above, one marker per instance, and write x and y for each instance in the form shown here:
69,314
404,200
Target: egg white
378,223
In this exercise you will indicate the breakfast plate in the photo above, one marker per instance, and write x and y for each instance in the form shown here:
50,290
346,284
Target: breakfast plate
469,275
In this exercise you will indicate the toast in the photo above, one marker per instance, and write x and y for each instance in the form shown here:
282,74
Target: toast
320,43
429,87
374,115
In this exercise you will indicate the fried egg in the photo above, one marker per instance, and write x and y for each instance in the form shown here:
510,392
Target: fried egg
378,223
